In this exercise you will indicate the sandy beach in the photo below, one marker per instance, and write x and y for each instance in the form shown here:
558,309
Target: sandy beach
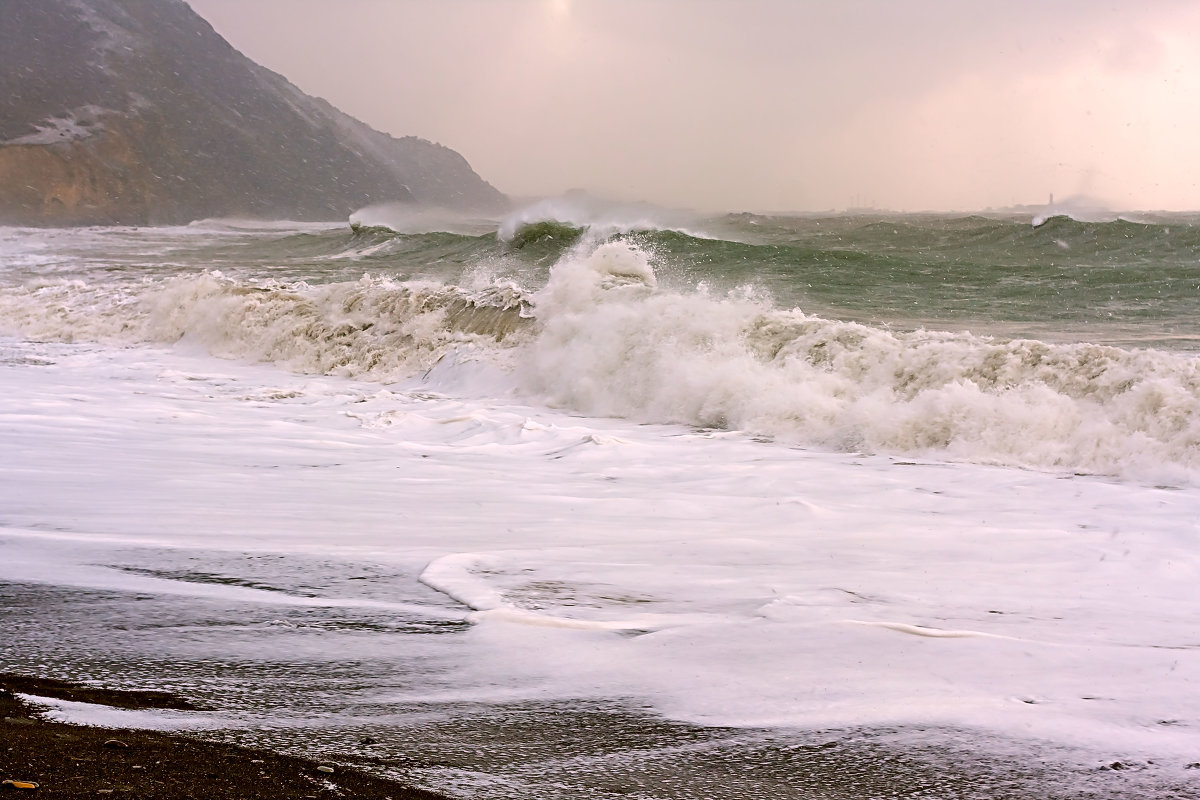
74,761
43,758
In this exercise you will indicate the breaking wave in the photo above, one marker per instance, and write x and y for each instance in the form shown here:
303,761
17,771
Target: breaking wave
376,327
602,333
609,344
600,218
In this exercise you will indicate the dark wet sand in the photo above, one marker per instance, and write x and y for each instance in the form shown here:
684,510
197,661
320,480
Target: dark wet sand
72,761
539,750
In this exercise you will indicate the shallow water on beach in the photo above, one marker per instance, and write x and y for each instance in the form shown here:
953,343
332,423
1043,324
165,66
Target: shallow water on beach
346,712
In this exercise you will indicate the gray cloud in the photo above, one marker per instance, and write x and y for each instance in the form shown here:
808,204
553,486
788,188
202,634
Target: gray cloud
763,104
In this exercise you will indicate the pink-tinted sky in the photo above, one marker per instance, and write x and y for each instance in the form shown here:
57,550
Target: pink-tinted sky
766,104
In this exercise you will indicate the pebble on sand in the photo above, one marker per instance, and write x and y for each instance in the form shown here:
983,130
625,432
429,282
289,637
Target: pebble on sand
20,784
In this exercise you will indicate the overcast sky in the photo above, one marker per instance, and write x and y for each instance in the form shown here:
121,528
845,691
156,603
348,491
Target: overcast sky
766,104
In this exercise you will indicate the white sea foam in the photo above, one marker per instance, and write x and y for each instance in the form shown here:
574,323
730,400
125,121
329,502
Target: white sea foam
374,327
608,345
602,338
712,578
103,716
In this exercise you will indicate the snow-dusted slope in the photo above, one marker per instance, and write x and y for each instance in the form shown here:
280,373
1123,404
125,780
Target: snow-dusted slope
118,111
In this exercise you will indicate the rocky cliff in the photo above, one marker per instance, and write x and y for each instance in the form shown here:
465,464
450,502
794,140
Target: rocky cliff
138,112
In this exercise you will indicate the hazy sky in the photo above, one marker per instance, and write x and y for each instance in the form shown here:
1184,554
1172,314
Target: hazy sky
766,104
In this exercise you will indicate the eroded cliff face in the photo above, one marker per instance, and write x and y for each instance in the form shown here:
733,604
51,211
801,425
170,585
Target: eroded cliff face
98,181
137,112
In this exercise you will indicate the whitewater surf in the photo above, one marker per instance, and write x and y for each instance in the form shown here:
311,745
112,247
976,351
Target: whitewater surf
591,501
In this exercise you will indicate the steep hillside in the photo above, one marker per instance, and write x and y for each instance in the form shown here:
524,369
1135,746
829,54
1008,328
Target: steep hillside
138,112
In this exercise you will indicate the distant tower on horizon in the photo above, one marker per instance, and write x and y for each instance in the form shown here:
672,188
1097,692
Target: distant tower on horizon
1051,198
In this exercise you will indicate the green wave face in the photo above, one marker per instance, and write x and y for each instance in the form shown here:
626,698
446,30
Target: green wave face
1121,282
1118,282
549,234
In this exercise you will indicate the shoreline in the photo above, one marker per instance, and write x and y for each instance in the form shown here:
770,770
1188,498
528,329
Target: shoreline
74,761
78,761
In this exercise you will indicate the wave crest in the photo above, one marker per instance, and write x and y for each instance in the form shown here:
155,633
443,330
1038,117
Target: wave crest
735,362
601,219
375,327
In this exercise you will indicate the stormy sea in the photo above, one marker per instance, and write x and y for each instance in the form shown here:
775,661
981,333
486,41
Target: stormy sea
619,502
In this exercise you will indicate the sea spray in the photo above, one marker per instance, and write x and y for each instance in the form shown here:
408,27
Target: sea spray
600,218
601,331
609,344
375,327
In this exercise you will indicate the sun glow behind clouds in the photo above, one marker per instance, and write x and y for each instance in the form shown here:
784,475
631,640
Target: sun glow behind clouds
771,104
